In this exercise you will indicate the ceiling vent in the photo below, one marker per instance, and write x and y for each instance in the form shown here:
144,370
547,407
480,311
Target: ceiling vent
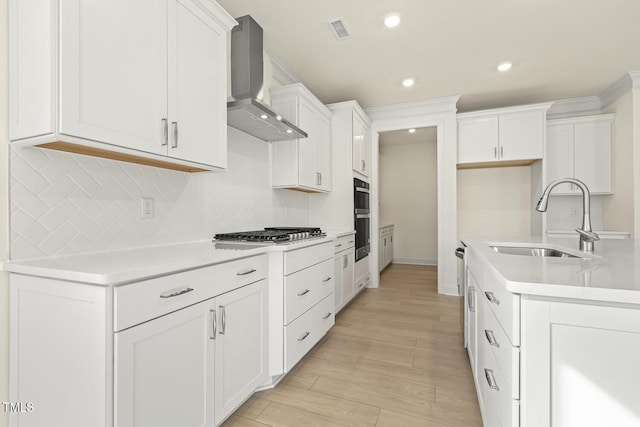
340,28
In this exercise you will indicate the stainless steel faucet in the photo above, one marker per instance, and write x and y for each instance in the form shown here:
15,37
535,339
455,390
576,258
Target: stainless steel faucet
587,236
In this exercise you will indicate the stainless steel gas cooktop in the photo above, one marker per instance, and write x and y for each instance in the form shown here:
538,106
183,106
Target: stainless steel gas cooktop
272,235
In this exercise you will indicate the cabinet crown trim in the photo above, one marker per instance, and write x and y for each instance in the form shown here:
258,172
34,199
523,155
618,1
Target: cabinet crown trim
582,119
543,106
300,90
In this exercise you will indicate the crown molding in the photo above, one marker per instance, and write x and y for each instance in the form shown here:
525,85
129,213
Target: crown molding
282,73
432,106
574,105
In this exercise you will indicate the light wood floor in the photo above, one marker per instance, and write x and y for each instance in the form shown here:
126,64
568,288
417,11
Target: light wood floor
394,358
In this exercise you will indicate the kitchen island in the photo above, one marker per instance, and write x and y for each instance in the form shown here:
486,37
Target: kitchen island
554,340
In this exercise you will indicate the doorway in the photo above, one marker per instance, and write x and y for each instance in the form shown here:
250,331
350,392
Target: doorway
408,195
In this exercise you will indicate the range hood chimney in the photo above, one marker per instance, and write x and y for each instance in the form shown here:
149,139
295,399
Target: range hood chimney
244,110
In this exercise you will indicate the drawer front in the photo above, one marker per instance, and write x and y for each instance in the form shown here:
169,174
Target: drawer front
343,243
138,302
306,288
506,356
299,259
504,304
362,283
303,333
497,394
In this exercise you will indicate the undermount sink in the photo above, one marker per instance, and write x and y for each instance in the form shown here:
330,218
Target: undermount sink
532,251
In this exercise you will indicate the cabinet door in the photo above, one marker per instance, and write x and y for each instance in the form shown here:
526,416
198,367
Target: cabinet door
522,135
360,146
559,156
592,146
348,260
337,289
323,152
113,72
164,371
241,346
478,140
197,85
307,170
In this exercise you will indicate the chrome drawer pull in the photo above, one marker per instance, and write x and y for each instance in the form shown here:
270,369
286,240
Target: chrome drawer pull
165,132
246,272
491,380
491,338
175,135
326,280
306,291
302,338
492,298
327,316
338,245
224,319
214,325
171,294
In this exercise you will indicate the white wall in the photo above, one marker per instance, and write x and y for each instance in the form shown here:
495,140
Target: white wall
4,212
409,199
494,202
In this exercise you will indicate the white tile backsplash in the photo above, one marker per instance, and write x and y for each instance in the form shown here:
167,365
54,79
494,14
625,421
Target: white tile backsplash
63,204
559,212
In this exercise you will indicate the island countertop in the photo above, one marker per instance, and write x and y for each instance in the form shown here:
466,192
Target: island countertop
611,273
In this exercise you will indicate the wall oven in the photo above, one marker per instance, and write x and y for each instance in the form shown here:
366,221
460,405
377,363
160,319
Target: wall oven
361,217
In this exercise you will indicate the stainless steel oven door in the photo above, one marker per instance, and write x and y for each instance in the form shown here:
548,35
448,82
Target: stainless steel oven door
362,236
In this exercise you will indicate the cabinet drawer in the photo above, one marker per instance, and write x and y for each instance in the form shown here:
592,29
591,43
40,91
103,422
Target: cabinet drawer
298,259
504,304
148,299
507,357
497,395
343,243
303,333
304,289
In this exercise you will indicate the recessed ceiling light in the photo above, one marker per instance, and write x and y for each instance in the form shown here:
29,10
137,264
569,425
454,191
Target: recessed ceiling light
289,131
408,82
263,117
412,130
392,21
505,66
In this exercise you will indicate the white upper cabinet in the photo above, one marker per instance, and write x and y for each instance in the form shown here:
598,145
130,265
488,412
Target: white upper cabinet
515,135
302,164
134,81
581,148
361,143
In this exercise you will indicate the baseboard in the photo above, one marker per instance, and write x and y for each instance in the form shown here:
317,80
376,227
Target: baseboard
433,262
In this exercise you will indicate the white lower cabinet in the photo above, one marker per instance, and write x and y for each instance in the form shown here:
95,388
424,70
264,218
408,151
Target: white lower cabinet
385,250
344,274
184,349
562,387
195,366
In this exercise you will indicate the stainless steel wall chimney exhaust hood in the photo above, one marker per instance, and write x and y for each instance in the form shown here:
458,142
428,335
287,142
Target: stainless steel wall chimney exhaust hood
244,110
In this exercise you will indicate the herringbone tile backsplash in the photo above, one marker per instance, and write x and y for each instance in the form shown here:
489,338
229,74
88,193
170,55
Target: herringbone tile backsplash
64,204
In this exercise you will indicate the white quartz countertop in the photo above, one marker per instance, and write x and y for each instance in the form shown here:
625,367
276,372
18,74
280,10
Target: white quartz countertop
610,274
130,265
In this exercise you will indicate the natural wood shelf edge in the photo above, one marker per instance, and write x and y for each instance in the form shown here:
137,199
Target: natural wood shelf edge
500,164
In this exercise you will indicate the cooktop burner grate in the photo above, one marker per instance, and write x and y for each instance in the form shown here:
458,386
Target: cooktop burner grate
272,235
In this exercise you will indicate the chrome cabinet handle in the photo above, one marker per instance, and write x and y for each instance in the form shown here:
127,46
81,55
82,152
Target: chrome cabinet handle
175,134
165,132
302,338
492,298
472,302
495,152
306,291
326,280
491,380
345,261
327,316
223,315
246,272
361,285
351,241
214,326
320,175
171,294
363,165
491,338
339,245
501,152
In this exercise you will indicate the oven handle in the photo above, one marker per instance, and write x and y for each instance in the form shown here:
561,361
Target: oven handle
362,215
362,211
362,190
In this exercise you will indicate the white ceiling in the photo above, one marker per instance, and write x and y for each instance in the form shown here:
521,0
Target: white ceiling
559,48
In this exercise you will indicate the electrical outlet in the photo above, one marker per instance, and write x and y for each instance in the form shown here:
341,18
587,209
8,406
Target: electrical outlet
574,212
146,207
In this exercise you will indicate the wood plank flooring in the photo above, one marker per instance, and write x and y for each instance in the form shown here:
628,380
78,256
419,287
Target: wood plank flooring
394,358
